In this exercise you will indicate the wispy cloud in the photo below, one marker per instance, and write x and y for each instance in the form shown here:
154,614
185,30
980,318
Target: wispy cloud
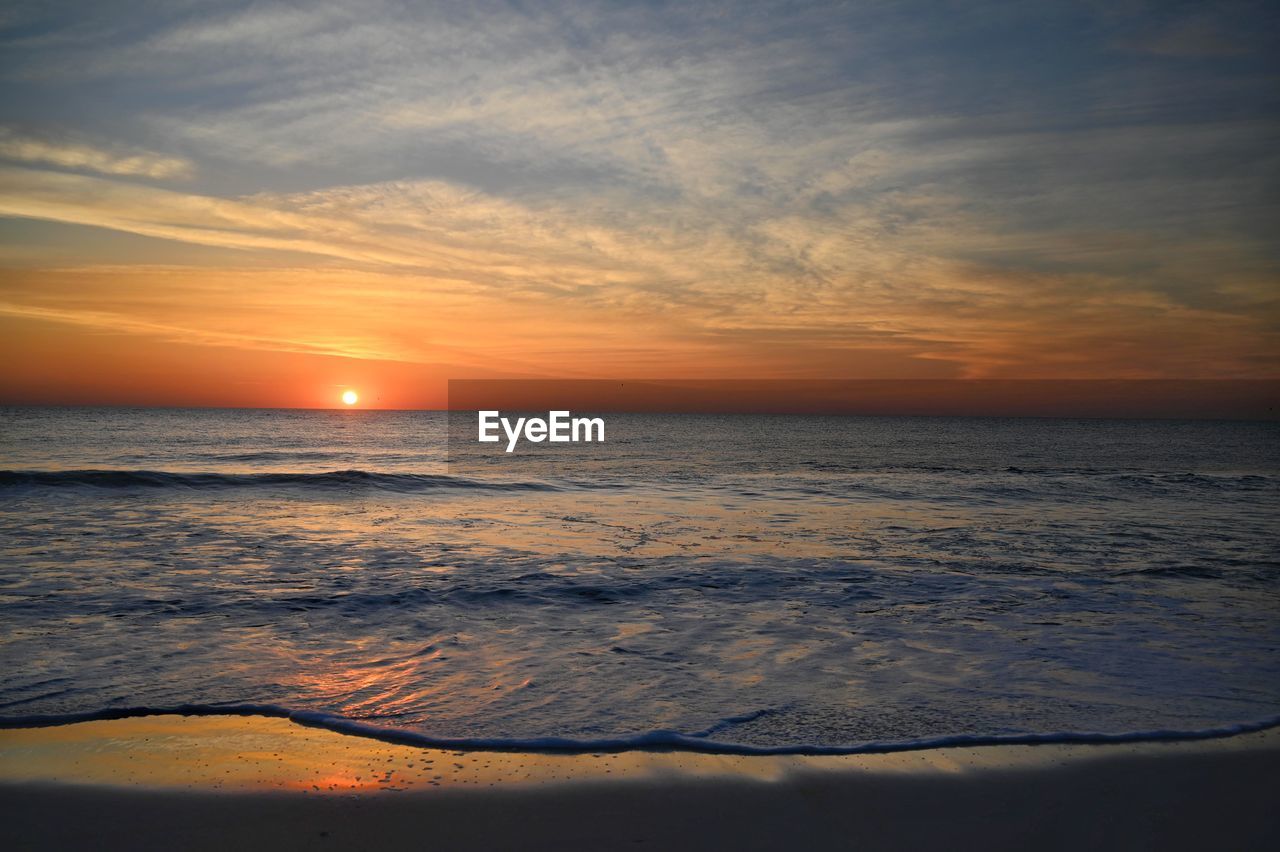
72,155
859,190
433,268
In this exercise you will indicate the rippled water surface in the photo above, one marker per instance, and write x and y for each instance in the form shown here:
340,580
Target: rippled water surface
762,580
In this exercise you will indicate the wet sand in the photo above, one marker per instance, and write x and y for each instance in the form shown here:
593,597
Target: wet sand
167,782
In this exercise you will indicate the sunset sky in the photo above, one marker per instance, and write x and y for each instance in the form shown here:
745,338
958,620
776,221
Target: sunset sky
222,203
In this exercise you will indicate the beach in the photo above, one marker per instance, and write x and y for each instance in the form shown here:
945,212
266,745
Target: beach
314,630
227,782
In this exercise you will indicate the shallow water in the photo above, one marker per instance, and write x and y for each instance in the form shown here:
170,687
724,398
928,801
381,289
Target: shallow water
772,581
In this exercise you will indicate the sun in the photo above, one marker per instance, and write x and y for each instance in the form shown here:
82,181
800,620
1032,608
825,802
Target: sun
350,397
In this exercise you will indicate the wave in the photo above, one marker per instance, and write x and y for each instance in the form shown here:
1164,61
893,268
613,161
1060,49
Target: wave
330,479
273,455
355,478
1129,475
700,742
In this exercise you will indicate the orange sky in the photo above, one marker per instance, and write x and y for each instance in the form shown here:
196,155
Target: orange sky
262,206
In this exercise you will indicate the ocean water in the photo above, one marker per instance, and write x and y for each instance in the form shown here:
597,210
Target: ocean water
770,583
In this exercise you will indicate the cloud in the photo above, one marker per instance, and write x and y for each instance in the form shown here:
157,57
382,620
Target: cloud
429,267
71,155
126,323
805,189
1196,36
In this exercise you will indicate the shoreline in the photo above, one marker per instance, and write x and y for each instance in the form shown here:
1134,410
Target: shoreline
658,740
209,782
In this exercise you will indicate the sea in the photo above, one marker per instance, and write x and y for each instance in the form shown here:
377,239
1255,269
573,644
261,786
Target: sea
738,583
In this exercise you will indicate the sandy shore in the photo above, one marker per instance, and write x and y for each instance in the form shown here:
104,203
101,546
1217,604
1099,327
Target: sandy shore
171,782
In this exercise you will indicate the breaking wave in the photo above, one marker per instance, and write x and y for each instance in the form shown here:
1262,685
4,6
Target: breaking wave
700,742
